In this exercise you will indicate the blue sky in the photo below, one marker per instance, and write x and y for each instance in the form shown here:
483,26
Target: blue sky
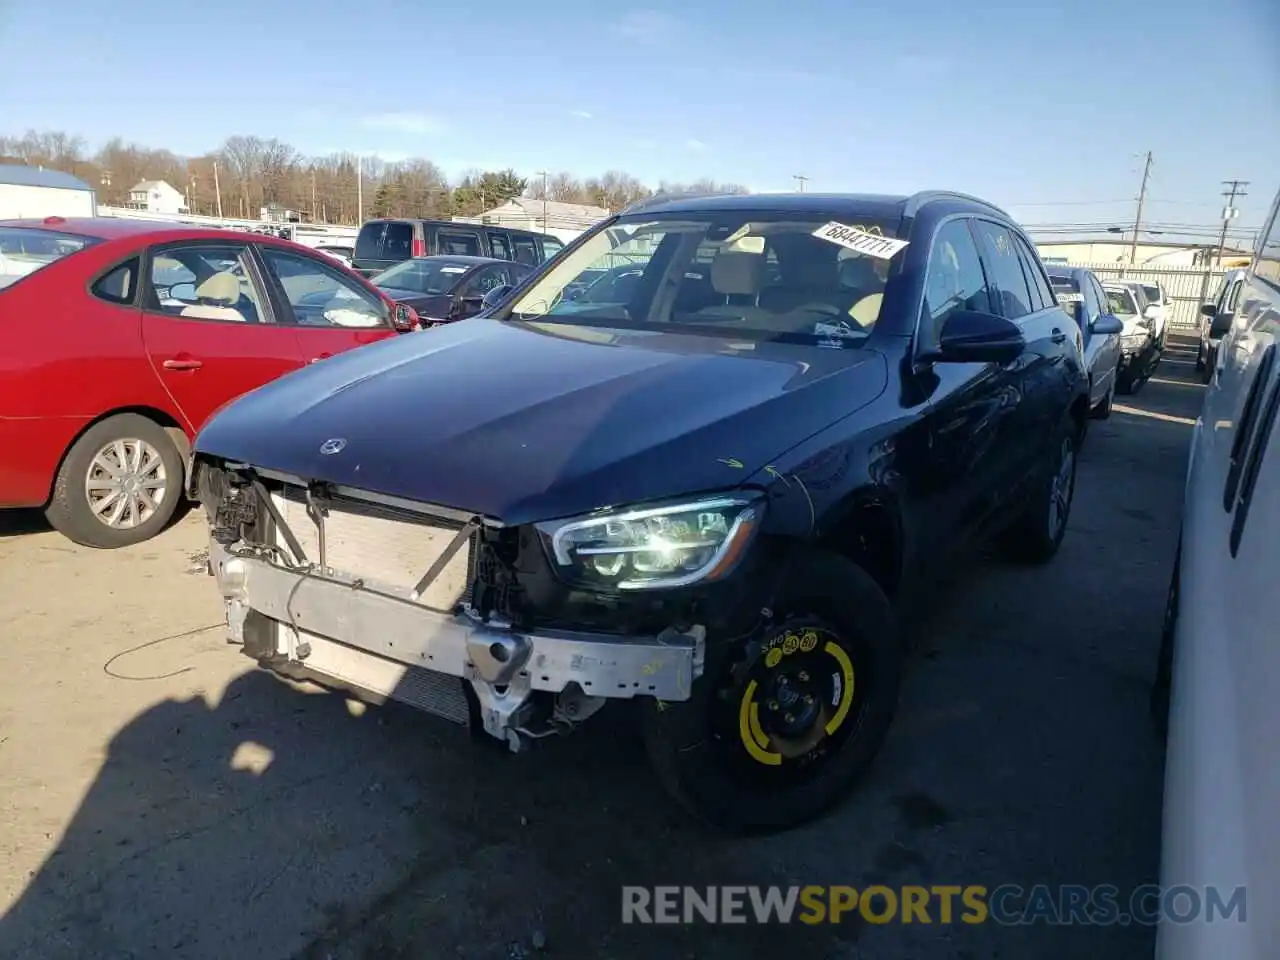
1044,108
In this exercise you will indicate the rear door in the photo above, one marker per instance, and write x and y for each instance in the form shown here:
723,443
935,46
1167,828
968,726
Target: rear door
208,326
327,311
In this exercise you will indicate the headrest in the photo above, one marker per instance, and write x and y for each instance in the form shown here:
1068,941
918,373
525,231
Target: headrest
223,287
737,274
858,273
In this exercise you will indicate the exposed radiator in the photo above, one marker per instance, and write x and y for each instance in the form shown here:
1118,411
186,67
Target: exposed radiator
382,546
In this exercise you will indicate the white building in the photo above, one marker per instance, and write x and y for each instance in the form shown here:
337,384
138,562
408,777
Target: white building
562,220
34,192
1183,255
156,196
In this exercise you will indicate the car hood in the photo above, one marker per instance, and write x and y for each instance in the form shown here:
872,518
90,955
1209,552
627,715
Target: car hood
523,422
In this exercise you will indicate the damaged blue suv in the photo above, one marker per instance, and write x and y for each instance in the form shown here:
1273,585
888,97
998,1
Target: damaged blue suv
708,494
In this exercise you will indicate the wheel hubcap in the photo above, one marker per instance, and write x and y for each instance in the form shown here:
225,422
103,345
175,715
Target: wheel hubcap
1060,491
126,483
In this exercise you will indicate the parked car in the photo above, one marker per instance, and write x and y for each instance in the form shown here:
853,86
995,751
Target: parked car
1219,665
1139,352
1216,318
710,496
443,289
384,243
342,254
1158,309
122,337
1081,295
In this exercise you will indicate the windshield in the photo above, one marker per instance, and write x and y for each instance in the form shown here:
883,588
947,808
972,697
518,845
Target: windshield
425,275
762,278
23,251
1121,303
1152,292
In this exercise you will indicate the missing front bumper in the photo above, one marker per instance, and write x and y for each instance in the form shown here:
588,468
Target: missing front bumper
383,642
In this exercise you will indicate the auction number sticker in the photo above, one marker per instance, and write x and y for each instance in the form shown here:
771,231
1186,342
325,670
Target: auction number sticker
859,240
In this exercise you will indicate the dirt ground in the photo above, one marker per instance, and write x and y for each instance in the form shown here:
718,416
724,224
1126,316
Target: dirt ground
162,798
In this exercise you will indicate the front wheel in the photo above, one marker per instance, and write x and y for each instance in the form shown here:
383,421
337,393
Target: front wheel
783,724
119,484
1037,534
1103,410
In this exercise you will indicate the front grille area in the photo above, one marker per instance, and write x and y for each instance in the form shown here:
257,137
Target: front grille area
382,545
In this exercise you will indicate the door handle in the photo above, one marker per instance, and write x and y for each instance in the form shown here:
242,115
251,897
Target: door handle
1057,336
188,364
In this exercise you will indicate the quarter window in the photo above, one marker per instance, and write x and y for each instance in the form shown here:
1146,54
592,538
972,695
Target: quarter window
204,282
321,296
1004,270
954,279
119,285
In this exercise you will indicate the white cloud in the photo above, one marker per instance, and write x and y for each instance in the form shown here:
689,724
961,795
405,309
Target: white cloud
580,114
697,146
408,123
647,26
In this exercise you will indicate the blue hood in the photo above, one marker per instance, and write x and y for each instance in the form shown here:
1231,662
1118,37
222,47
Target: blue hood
524,422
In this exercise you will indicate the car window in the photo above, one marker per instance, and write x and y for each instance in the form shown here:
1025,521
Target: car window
954,279
1120,301
1266,261
499,246
397,243
23,251
119,285
1037,285
525,250
321,296
550,247
708,274
1074,298
1100,295
1232,297
484,280
204,282
458,244
369,241
427,275
1153,292
1004,270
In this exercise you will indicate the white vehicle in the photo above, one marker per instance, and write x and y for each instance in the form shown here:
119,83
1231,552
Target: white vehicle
1218,683
342,254
1159,307
1139,349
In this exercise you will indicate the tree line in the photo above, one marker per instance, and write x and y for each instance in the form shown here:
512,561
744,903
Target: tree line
246,173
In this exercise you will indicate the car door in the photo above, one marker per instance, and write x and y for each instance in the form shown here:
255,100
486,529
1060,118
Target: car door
963,466
208,326
470,294
327,311
1104,350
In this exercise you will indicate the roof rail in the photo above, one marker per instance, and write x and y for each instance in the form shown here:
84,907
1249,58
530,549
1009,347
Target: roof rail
917,200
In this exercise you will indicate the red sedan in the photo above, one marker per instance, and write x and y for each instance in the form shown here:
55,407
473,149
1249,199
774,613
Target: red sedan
122,337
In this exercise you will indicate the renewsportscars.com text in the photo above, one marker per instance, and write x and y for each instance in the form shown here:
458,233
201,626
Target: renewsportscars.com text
1008,904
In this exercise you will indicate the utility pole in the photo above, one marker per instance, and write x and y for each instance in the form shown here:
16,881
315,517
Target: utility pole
1137,221
313,196
800,179
543,174
359,190
1229,212
217,190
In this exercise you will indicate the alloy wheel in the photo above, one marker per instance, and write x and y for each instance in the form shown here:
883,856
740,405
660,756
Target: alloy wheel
125,484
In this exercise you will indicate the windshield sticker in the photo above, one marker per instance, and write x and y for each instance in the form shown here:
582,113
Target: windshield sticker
453,269
1070,298
821,329
859,240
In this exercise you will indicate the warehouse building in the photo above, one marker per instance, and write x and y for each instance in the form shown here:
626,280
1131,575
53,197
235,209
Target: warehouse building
34,192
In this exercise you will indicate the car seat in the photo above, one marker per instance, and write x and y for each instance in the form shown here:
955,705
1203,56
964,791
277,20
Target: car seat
736,278
217,299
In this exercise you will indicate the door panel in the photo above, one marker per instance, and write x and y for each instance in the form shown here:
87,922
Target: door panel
325,311
208,327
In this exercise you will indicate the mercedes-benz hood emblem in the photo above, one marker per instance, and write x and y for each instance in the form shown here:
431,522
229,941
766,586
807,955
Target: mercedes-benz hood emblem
330,447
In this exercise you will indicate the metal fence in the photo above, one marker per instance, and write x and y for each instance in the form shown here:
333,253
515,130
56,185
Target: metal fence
1187,287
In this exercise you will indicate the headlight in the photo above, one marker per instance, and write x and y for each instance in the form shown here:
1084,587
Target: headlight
653,547
1134,341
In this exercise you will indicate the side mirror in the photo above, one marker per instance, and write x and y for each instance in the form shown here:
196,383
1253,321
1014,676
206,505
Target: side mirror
404,319
1209,309
1221,325
972,336
495,296
1152,312
1107,324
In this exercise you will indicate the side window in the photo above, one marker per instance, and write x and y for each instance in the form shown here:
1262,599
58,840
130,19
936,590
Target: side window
1097,292
1232,297
954,279
321,296
1004,270
485,279
1037,285
397,244
458,244
204,282
550,247
499,245
526,251
119,285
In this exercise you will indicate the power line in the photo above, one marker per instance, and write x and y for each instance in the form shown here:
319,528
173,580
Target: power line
801,179
1230,211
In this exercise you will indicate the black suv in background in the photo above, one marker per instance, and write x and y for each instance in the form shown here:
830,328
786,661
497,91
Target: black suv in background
710,489
386,242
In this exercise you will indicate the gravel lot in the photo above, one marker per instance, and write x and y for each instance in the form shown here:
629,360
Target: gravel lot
164,799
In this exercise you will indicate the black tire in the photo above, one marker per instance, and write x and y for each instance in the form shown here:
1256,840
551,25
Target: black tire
1210,361
711,752
1200,364
1036,535
1162,686
1103,410
69,510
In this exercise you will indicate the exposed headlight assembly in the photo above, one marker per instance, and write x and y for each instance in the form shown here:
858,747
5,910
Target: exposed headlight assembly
655,547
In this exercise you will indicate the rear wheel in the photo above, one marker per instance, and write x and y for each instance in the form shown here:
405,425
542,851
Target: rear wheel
1038,533
119,484
782,725
1103,410
1200,356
